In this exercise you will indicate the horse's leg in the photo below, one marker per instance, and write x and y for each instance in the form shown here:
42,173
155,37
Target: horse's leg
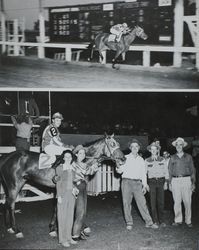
118,52
7,218
90,48
101,56
53,222
10,207
123,56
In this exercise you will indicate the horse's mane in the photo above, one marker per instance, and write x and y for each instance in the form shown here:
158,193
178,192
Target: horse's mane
93,142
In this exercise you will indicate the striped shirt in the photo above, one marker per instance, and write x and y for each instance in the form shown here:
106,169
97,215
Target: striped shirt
82,171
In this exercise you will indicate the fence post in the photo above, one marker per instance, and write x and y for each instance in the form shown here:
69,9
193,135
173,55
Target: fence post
68,54
178,31
41,49
146,58
3,26
197,35
16,37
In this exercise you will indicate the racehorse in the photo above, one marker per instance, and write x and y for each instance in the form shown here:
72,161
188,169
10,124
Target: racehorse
19,167
102,43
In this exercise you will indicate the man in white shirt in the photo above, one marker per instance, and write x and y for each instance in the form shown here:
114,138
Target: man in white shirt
134,185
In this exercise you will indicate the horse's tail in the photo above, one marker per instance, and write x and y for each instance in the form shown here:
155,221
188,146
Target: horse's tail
90,47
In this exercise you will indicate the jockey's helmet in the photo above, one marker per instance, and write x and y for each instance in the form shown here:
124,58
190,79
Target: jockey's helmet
57,115
125,25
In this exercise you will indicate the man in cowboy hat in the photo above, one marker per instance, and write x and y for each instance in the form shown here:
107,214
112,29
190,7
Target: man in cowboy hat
134,184
157,172
182,181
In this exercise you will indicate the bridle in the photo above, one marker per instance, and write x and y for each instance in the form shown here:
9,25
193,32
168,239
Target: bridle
139,31
106,148
109,149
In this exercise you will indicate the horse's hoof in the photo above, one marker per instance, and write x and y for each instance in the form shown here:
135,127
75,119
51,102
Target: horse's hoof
10,231
19,235
53,234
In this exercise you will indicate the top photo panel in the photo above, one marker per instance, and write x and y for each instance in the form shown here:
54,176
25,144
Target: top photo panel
99,45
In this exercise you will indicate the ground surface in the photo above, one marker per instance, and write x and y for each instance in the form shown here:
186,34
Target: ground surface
47,73
108,228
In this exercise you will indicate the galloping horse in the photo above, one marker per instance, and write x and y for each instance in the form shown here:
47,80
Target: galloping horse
102,43
18,167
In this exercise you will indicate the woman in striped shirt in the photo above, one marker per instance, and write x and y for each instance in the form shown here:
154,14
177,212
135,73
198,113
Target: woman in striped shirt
82,171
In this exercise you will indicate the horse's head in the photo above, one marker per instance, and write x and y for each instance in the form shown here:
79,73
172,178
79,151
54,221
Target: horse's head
112,150
140,32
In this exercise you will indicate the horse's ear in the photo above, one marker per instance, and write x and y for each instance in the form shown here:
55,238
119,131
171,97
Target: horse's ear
112,135
105,134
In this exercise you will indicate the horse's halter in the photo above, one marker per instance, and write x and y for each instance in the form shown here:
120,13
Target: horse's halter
111,148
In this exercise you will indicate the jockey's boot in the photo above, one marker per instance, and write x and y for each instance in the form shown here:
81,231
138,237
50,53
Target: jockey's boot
59,160
118,38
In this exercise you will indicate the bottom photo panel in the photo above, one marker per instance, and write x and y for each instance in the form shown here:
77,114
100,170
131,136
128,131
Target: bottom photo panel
99,170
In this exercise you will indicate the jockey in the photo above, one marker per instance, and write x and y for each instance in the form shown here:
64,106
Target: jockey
51,141
119,30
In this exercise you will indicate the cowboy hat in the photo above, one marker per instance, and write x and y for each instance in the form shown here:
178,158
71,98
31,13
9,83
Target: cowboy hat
180,140
133,140
153,144
78,148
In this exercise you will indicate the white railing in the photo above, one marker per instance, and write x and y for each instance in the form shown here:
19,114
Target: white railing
103,181
145,49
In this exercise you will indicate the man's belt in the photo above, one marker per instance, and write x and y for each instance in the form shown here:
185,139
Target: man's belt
178,176
157,178
132,179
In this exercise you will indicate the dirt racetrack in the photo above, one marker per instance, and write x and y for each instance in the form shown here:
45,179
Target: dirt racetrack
25,72
108,228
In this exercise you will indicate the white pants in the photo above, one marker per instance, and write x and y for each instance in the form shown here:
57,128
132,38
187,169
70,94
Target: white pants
54,150
181,190
117,33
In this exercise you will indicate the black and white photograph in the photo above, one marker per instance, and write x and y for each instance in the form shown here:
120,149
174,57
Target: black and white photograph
99,124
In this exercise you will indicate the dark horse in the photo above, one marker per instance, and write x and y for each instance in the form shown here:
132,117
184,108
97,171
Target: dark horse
102,43
19,167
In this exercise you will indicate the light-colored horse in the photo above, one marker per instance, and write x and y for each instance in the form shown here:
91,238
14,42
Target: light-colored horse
103,43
